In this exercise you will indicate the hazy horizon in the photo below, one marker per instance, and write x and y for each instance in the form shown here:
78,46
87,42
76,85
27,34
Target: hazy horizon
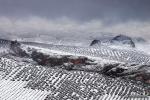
25,18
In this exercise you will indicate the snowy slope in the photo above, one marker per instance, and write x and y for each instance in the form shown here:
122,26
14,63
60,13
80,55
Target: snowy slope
102,52
20,79
14,90
26,81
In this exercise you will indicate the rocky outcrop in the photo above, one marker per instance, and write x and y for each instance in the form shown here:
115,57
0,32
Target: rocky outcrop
135,72
58,60
117,40
95,42
15,47
122,39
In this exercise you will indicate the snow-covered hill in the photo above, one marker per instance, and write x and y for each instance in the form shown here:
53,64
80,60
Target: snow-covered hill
101,52
52,71
29,82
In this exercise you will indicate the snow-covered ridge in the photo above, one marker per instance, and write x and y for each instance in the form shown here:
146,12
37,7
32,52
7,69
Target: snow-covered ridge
102,52
50,83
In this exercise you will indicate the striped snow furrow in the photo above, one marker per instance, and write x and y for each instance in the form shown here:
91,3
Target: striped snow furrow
13,73
115,88
110,97
14,90
56,79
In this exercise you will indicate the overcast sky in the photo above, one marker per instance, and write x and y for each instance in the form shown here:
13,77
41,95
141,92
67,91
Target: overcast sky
79,9
96,15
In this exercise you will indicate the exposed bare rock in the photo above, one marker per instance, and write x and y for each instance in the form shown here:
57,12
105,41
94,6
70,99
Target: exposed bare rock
16,49
135,72
95,42
122,39
51,60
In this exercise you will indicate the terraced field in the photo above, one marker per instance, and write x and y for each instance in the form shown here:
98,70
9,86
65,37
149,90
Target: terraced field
103,52
30,82
23,80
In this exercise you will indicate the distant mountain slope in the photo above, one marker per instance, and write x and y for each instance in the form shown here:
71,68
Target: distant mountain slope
94,42
123,40
120,40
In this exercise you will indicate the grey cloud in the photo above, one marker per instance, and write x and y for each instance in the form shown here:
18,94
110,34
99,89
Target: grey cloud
107,10
20,18
65,27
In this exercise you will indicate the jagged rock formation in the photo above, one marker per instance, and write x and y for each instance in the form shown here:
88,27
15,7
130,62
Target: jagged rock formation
13,47
57,60
135,72
16,49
